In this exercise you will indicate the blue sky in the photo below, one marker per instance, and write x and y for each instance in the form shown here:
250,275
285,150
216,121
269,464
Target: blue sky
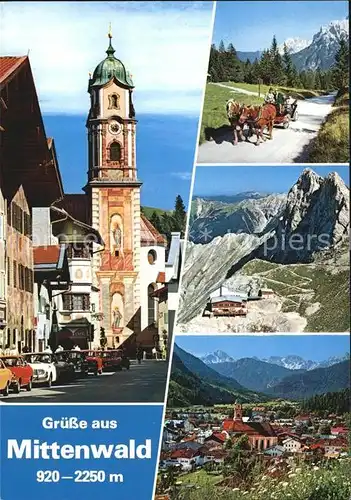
251,25
165,47
232,180
165,154
313,347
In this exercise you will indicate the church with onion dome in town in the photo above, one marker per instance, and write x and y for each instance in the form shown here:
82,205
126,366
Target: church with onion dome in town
102,273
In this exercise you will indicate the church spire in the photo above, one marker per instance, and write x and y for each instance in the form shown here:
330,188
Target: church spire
110,51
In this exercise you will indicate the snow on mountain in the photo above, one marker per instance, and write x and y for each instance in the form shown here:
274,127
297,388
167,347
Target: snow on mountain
216,357
294,45
320,53
292,362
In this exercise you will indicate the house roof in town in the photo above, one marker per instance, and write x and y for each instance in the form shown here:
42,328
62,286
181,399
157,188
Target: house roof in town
250,428
28,160
47,254
77,205
60,215
149,235
9,65
185,453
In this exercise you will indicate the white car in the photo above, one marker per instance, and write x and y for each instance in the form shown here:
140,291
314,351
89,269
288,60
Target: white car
44,370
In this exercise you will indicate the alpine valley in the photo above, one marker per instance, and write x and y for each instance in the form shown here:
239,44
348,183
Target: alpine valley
208,380
247,242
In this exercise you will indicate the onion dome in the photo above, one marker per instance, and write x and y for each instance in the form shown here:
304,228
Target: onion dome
109,68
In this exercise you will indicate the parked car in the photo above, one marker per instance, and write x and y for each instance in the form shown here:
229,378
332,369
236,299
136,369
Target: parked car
5,379
44,369
81,367
112,359
95,362
22,372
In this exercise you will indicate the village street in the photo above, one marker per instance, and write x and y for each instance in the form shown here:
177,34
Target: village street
143,383
290,145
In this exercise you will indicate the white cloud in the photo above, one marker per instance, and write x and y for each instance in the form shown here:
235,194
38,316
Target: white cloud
165,47
184,176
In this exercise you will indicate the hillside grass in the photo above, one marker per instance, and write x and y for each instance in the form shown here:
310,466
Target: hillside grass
302,285
148,211
214,114
325,481
332,143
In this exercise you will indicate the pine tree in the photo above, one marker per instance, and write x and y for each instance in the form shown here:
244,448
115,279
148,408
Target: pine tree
179,214
276,64
213,64
340,69
265,67
289,68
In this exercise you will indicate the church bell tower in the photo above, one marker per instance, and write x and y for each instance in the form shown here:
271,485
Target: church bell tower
114,192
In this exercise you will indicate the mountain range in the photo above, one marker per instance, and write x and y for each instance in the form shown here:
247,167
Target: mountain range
194,383
249,379
291,362
252,243
318,53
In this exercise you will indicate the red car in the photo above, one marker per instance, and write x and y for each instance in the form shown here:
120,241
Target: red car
22,372
95,362
112,359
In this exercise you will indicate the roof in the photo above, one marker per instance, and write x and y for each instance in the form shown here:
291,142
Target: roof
261,428
227,298
8,66
61,215
109,68
77,205
184,453
174,257
27,160
46,254
149,236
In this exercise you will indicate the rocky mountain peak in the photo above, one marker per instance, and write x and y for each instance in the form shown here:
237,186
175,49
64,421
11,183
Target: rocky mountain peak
316,214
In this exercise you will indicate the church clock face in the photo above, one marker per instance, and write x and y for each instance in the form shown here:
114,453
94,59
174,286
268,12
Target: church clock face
114,127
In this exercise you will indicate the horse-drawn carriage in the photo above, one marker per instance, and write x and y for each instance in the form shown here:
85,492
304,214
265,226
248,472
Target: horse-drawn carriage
289,114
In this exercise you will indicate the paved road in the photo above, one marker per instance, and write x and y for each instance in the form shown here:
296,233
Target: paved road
288,146
142,383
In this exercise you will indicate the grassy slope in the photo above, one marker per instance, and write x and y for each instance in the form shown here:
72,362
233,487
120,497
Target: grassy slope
304,284
214,112
329,480
148,211
332,143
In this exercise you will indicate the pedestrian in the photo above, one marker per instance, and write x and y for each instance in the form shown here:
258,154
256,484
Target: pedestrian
48,349
59,348
154,353
139,353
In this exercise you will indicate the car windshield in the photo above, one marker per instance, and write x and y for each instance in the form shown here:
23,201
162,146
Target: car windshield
12,361
38,358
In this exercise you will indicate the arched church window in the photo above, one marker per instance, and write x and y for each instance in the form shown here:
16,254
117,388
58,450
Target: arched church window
151,257
150,304
115,151
113,101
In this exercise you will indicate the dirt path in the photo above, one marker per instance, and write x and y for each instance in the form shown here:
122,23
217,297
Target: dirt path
288,146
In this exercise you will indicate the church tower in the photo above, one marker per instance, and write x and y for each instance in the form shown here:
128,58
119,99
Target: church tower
114,192
238,412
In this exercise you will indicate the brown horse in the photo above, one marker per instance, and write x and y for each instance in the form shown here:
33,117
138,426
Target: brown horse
259,117
234,110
